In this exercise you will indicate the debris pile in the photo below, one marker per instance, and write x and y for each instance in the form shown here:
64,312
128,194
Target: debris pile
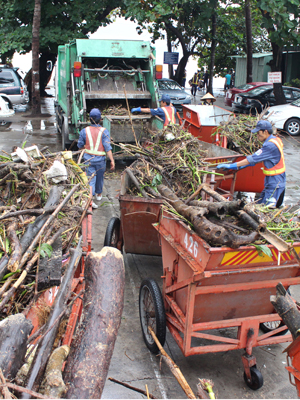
42,203
171,167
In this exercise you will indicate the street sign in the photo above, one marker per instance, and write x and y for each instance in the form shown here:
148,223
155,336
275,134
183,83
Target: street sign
275,77
170,57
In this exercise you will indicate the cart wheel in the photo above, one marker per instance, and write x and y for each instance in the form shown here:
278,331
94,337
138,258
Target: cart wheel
112,232
271,326
257,379
152,313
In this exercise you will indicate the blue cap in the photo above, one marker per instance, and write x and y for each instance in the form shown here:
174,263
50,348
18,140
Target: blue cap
165,98
262,126
95,114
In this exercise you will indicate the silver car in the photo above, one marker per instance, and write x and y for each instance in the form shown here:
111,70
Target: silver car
12,86
176,92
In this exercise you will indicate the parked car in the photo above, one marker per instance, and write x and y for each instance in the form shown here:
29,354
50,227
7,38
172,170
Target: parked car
177,93
286,117
230,94
12,86
257,99
5,109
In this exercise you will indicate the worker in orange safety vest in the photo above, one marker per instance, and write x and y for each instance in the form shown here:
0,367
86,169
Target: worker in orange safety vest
271,154
166,111
96,141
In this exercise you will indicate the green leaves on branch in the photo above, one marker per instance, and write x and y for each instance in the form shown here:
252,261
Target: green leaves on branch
45,249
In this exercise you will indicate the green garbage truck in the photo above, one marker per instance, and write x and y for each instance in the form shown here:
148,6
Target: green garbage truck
112,75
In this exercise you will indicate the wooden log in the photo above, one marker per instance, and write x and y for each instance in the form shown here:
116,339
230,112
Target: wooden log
212,233
136,182
92,348
53,385
43,351
33,229
220,209
14,332
16,248
287,310
50,267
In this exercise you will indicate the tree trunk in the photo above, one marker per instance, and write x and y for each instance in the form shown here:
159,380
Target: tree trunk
248,40
170,66
92,348
36,101
276,66
212,52
181,68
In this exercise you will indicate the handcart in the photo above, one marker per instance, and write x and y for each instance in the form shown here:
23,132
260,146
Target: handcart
206,289
134,232
202,122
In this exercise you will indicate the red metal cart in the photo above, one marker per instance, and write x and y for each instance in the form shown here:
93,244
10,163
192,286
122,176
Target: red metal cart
47,297
202,122
206,289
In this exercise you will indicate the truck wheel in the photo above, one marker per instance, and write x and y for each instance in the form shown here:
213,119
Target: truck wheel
292,126
112,233
257,379
152,313
65,142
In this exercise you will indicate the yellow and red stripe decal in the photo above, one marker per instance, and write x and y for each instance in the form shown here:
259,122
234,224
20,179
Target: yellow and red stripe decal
255,257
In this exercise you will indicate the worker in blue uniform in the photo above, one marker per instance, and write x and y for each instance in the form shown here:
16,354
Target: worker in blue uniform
271,154
96,141
166,111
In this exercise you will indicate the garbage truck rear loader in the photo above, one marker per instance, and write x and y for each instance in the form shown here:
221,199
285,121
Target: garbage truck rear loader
111,75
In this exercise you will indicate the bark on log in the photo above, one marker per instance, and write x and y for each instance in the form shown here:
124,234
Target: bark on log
45,346
54,386
212,233
14,332
287,310
91,351
50,267
220,209
16,252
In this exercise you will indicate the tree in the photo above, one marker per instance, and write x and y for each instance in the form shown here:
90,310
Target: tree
248,40
281,20
36,103
185,22
61,21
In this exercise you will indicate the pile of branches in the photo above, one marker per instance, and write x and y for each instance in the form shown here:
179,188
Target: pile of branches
35,213
173,157
237,129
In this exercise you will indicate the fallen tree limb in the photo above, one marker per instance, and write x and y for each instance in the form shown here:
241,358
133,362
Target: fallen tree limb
16,249
92,348
6,393
173,367
132,388
21,389
136,182
43,351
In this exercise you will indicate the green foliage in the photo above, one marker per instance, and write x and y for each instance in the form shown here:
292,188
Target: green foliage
45,249
294,83
61,21
263,249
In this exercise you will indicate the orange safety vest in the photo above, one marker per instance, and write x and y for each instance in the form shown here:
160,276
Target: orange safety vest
169,115
93,143
279,168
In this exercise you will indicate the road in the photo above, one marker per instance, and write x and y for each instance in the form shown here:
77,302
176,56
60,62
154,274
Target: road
131,361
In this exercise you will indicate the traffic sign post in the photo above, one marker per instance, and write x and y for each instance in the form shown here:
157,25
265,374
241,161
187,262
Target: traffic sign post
275,77
170,58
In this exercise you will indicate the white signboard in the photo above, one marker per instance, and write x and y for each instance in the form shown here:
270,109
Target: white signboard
275,77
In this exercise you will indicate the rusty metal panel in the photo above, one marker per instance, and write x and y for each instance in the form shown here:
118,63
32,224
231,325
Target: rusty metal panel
137,216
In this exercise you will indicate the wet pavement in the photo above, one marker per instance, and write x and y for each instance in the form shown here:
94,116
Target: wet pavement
131,361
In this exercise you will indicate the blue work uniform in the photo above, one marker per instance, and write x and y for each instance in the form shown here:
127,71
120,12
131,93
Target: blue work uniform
270,155
160,112
97,164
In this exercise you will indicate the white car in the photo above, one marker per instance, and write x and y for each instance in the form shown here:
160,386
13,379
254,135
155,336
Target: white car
5,111
286,117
